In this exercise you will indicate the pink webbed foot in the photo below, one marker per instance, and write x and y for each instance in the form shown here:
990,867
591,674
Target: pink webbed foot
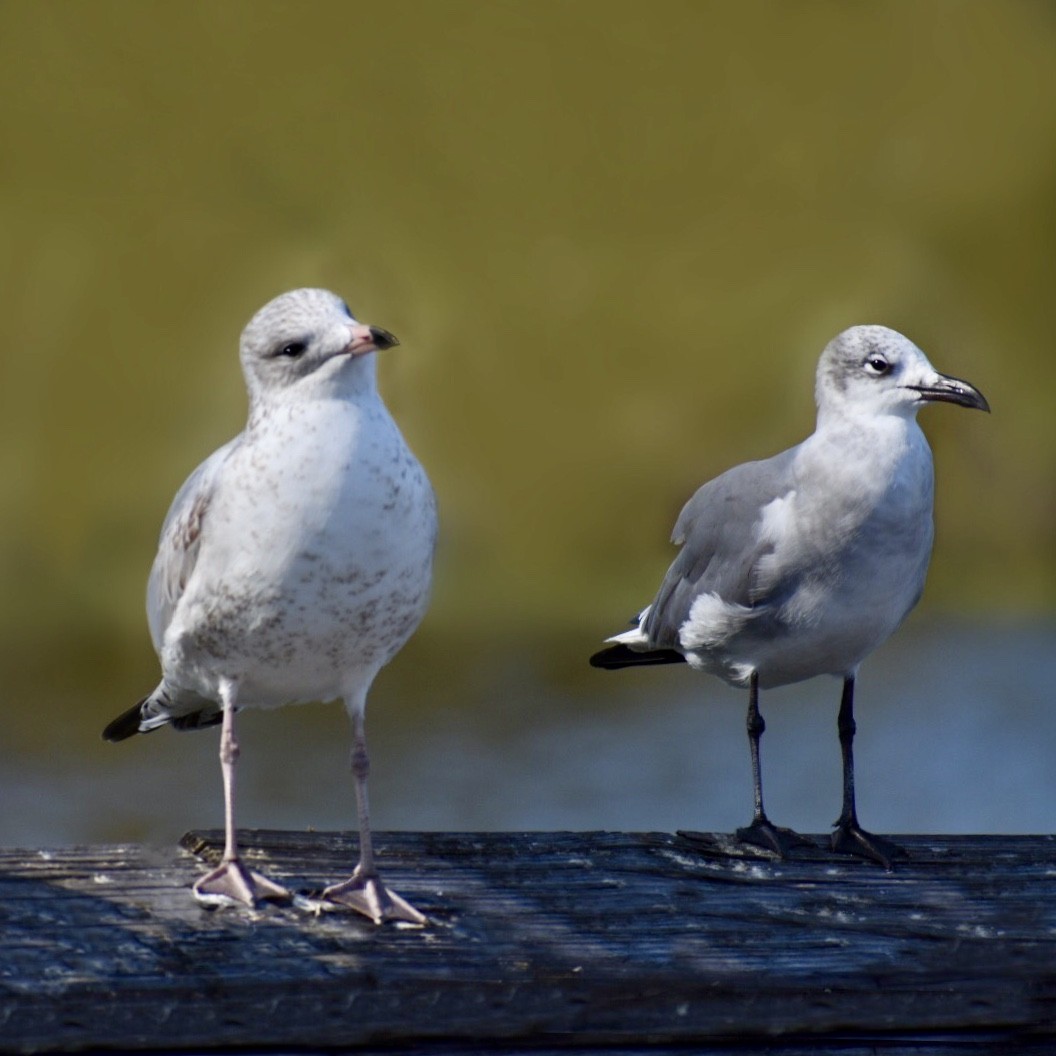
232,881
369,896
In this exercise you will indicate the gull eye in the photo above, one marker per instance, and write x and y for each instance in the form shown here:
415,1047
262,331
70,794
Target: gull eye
877,365
293,349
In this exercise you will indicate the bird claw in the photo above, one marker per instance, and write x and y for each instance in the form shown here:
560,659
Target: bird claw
764,833
231,881
851,838
369,896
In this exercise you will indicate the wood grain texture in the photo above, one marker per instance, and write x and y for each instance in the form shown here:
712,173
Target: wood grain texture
540,940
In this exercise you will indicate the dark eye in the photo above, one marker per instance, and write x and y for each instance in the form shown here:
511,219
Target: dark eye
877,365
293,349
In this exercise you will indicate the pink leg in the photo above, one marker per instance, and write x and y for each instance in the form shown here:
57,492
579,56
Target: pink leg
363,891
231,880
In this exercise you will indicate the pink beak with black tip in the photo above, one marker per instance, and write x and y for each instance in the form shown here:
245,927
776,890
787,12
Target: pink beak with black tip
369,339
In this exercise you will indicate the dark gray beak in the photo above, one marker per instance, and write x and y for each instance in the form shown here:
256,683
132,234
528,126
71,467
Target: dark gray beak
382,338
945,389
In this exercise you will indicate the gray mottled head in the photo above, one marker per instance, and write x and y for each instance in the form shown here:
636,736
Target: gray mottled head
871,370
307,338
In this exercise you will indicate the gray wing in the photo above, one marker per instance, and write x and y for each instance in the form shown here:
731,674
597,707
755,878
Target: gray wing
718,530
179,542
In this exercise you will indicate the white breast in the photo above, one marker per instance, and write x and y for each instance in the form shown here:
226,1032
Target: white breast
858,543
316,556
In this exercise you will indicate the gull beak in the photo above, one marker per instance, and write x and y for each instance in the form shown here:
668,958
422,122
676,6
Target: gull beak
941,388
369,339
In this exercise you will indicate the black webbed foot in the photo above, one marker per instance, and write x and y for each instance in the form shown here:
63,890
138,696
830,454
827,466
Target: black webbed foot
764,833
850,838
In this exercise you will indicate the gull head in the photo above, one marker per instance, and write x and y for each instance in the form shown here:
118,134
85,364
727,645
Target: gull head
872,370
306,338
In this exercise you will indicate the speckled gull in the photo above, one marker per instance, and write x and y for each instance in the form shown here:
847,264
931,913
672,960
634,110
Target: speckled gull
804,563
294,563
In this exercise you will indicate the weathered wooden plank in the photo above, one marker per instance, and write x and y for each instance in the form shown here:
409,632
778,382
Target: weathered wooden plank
547,939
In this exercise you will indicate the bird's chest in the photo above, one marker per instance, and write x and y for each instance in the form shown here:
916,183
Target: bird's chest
862,548
331,544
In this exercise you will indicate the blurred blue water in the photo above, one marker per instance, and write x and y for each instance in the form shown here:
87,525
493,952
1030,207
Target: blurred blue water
957,733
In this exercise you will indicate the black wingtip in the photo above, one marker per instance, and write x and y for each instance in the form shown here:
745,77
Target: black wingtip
125,725
617,656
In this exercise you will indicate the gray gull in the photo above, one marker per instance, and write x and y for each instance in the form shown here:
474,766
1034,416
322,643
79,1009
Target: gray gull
804,563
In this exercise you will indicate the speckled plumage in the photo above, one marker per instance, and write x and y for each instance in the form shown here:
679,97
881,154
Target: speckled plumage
297,560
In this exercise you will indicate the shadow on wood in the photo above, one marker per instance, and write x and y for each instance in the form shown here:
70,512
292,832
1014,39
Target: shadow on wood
539,941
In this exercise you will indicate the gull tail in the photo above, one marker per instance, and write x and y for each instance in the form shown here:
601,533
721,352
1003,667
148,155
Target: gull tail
617,656
126,724
155,711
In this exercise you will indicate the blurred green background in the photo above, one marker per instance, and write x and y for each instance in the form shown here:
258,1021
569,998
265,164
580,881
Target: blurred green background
612,237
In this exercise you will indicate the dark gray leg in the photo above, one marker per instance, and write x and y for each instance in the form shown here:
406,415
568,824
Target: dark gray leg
762,832
849,837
